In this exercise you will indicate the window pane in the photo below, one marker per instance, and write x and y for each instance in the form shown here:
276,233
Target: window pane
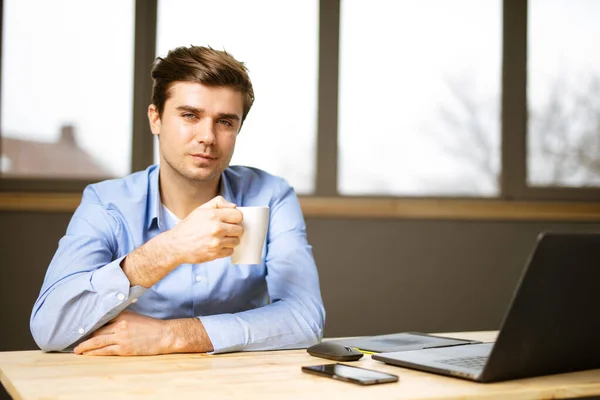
419,97
67,88
564,93
278,42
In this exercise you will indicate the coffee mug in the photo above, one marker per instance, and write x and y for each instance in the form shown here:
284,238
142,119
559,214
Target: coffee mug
255,224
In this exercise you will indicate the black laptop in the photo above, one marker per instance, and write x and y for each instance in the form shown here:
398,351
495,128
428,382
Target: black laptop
552,324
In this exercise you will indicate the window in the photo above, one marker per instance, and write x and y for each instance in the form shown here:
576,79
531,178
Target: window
419,97
66,88
563,93
410,93
278,42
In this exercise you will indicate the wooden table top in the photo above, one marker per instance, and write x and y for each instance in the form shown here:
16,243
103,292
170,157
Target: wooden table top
260,375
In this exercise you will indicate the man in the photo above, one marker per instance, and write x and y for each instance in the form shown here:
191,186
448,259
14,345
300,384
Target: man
144,267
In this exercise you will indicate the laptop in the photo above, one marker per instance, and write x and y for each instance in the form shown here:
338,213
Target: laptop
552,324
403,341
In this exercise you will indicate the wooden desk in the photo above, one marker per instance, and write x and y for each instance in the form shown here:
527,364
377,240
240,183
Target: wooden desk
264,375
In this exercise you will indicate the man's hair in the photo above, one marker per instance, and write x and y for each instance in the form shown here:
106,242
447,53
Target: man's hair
202,65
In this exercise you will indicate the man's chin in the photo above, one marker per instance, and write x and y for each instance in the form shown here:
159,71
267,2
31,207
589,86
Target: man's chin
202,176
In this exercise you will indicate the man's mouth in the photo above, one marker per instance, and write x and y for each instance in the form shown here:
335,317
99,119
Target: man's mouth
204,156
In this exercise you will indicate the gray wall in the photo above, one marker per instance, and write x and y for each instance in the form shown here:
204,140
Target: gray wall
377,276
431,276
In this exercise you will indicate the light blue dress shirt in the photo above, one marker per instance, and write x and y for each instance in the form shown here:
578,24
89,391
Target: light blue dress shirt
273,305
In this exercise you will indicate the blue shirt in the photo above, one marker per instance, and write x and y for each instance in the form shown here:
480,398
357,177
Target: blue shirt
273,305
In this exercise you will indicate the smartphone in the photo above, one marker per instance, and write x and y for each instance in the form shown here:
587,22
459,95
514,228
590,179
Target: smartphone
346,373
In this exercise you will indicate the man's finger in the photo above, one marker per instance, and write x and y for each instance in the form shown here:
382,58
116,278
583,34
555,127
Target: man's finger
218,202
230,242
233,230
97,342
119,317
112,350
231,216
107,329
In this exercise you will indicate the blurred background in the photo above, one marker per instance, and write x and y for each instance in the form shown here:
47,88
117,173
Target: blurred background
361,105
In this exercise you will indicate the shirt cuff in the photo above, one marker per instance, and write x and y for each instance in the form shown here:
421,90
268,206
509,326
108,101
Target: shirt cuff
225,333
110,280
115,294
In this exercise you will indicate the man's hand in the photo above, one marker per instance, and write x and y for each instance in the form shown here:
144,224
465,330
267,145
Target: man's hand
209,232
132,334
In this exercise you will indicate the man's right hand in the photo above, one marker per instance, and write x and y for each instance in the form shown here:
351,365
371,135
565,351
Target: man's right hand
209,232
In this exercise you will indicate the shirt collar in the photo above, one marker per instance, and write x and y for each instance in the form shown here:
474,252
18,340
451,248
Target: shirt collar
154,212
154,202
225,189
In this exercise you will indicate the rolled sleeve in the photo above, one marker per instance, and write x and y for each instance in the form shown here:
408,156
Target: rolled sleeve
85,286
225,333
111,283
63,325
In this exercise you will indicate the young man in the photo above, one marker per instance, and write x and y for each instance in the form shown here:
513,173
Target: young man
144,267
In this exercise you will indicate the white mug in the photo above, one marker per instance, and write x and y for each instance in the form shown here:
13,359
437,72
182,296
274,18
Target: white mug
255,224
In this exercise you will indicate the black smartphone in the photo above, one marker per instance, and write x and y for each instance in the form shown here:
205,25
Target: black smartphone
347,373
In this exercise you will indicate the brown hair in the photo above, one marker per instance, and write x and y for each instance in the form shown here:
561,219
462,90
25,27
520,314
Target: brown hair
202,65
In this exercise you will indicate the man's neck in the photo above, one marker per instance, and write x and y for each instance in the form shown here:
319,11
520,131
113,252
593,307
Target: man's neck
181,195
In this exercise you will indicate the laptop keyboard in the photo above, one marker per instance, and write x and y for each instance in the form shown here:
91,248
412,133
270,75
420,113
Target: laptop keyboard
466,362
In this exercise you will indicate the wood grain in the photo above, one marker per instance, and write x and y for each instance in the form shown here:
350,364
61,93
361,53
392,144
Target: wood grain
259,375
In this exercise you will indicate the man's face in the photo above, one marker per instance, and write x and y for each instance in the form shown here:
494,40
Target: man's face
198,129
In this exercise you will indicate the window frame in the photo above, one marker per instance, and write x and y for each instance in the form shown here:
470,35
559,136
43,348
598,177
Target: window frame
514,115
513,184
142,146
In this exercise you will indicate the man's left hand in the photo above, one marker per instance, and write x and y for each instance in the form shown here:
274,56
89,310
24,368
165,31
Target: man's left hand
129,334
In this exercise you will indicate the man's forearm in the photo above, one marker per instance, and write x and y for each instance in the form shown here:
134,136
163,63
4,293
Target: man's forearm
187,335
150,262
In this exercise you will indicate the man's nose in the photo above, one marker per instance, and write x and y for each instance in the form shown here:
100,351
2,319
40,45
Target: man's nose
205,132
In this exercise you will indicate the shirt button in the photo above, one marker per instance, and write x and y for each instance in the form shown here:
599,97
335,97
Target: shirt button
134,300
198,278
81,331
121,296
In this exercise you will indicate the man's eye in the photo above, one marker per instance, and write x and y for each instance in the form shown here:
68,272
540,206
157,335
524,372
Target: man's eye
225,122
188,116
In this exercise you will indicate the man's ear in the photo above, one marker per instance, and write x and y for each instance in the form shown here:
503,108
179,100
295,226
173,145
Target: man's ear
154,119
